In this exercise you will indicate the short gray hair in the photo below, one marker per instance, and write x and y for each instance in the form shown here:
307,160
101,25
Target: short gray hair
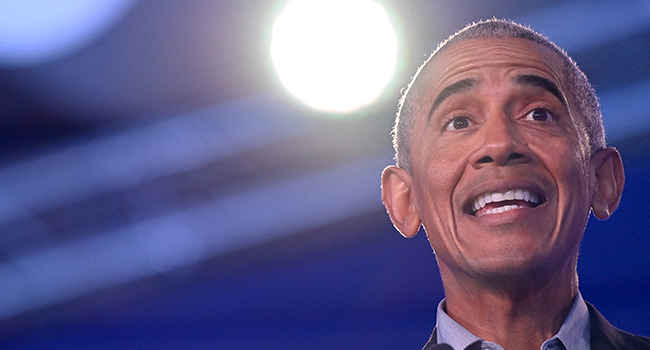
581,90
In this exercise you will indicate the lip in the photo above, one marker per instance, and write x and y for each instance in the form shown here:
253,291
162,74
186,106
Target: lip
504,185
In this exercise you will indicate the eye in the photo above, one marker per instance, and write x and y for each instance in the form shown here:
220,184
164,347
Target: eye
458,123
540,115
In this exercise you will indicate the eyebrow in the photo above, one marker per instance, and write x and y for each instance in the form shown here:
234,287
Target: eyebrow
537,81
457,87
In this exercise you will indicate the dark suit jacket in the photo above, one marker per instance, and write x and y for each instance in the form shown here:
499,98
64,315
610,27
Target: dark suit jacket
604,336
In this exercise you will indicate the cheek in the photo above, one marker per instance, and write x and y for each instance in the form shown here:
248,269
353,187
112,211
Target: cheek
441,170
563,153
440,174
568,165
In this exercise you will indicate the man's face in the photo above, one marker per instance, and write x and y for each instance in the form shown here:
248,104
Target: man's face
500,168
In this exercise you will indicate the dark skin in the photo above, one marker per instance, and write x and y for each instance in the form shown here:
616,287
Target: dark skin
493,120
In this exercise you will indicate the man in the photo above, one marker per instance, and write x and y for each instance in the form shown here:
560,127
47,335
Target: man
501,157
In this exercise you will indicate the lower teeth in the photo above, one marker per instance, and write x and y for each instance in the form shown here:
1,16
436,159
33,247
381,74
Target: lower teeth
500,209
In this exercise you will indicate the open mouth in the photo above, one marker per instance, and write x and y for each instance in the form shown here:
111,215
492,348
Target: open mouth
499,202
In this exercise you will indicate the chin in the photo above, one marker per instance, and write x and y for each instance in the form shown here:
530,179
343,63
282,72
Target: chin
519,267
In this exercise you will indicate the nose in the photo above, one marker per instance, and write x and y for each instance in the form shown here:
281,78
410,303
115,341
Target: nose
500,143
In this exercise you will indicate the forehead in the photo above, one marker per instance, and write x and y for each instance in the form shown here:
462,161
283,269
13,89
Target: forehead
488,58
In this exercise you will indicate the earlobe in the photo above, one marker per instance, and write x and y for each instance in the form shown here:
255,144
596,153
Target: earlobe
396,184
607,167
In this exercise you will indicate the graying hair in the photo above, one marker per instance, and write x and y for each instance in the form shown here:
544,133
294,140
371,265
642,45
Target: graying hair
581,90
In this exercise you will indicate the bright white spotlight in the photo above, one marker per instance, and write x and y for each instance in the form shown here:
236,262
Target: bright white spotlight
334,55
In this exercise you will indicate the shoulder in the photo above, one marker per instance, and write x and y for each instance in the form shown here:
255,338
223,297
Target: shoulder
432,340
605,336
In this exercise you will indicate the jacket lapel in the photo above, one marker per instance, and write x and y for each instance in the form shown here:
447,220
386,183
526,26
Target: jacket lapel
604,336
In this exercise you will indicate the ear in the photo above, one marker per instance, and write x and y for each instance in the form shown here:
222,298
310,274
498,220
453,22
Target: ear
396,184
607,167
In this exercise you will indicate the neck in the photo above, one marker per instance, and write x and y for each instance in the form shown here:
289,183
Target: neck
515,312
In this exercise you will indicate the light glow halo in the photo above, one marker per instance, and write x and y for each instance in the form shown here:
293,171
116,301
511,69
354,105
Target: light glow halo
37,31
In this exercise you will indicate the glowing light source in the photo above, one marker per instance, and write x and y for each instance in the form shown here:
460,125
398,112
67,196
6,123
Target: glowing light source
37,31
334,55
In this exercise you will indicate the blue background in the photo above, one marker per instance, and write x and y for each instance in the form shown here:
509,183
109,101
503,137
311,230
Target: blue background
160,190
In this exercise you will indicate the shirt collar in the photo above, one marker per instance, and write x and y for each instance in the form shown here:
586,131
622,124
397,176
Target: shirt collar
574,332
451,332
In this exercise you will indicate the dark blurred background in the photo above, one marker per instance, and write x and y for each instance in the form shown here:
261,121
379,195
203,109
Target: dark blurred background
159,189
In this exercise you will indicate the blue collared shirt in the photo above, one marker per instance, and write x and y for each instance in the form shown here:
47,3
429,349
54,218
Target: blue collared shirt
574,333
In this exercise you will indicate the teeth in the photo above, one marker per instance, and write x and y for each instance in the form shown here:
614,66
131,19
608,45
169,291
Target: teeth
519,194
500,209
495,197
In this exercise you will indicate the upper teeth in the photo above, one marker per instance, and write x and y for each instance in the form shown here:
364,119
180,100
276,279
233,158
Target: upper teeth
495,197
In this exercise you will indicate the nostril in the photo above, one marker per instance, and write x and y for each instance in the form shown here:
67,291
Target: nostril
486,159
515,156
